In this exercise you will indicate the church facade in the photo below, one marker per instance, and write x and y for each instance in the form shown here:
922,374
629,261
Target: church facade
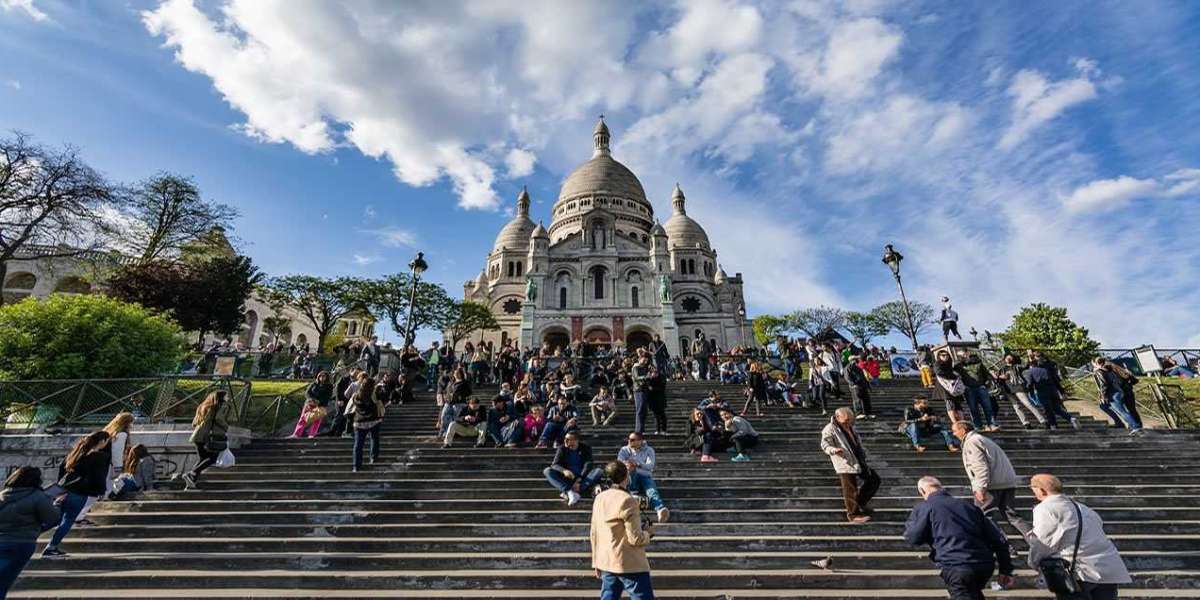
606,272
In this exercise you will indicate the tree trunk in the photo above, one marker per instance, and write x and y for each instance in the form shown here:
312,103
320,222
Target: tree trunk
3,276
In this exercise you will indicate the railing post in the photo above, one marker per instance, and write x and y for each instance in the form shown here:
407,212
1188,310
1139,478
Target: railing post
278,408
78,401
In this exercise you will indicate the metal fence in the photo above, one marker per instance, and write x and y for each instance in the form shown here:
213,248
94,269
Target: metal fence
272,365
37,404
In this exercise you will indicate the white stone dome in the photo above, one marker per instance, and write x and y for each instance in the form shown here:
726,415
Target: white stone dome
515,234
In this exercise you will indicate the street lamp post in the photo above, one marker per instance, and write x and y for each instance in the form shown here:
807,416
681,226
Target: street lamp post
892,259
742,325
417,266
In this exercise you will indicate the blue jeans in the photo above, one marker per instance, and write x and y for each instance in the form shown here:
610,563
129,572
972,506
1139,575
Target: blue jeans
431,374
562,484
637,584
644,484
915,431
640,409
13,558
71,507
981,406
1114,407
360,440
553,433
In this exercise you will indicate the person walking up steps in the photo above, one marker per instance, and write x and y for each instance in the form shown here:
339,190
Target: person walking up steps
367,412
86,472
618,540
210,427
25,512
845,450
993,479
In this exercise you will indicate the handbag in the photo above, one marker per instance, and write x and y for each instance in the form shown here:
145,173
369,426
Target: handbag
1059,575
225,459
954,388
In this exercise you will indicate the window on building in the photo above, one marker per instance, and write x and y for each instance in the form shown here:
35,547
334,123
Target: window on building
562,297
633,296
682,266
691,266
598,274
520,268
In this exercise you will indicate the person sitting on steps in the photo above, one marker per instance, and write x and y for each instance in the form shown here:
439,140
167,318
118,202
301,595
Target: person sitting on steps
920,420
604,408
471,420
640,459
561,419
504,427
571,472
740,435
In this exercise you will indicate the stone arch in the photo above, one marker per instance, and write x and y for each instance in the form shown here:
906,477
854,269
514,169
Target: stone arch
597,335
72,285
556,336
638,337
301,339
21,280
249,325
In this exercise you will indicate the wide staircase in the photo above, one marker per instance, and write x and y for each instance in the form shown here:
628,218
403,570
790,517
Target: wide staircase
291,520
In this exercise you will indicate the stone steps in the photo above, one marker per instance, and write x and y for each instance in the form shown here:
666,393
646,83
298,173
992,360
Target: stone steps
291,521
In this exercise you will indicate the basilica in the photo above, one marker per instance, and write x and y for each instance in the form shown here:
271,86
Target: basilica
606,271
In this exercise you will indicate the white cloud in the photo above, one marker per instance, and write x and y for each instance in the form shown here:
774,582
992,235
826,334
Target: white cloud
364,260
519,162
14,84
393,236
857,52
1036,100
25,6
905,129
1111,194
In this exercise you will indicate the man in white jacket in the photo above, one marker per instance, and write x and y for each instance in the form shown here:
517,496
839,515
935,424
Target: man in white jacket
859,481
639,458
1055,525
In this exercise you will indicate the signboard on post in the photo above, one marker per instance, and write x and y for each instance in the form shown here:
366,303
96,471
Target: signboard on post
904,364
224,366
1148,358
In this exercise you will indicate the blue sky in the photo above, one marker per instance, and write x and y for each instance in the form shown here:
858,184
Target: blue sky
1015,152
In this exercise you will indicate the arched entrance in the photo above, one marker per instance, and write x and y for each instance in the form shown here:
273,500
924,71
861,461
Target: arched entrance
598,337
557,339
637,339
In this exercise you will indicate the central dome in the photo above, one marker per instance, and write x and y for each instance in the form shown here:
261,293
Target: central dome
601,183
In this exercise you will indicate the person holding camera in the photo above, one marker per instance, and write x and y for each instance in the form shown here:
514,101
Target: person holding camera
1068,546
618,540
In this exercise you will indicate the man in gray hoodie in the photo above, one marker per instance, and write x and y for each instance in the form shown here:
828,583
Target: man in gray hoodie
993,480
639,458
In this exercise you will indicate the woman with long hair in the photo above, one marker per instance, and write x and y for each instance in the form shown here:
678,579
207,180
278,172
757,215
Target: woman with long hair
756,390
950,387
138,475
118,431
367,412
210,426
86,476
25,512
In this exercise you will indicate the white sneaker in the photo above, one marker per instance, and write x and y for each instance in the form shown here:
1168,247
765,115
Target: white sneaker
663,515
572,498
1075,423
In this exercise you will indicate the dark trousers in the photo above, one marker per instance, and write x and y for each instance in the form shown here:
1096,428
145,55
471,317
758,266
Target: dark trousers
999,508
861,396
857,491
1053,408
360,440
967,582
640,409
340,422
949,327
562,484
703,367
658,405
743,441
637,584
835,385
207,459
1094,591
13,558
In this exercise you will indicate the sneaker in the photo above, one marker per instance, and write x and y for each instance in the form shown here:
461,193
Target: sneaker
952,449
861,520
53,552
860,417
1075,423
663,515
541,445
572,498
709,459
740,458
189,481
919,449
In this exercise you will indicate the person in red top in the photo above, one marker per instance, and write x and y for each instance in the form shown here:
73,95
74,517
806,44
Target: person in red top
870,365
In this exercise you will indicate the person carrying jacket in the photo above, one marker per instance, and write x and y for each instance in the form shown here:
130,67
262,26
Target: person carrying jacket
993,480
85,476
963,543
25,512
859,481
571,472
618,541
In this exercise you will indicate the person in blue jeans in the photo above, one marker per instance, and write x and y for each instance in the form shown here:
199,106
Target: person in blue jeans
975,377
85,475
639,458
618,540
25,512
920,420
571,472
1112,396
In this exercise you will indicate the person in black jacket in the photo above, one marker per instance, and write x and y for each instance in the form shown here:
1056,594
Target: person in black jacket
657,398
860,389
757,392
572,472
1042,379
964,543
640,374
1112,395
341,395
471,420
25,512
85,475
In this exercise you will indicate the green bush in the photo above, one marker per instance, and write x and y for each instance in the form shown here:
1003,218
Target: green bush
85,337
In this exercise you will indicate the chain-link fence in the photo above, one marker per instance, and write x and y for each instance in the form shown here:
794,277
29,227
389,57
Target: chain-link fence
34,404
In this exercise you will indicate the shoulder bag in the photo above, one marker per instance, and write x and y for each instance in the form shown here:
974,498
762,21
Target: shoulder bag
1060,575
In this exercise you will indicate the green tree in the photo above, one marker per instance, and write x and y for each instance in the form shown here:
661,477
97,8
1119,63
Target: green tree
202,296
863,327
322,301
893,316
170,214
468,317
388,297
1048,328
83,337
769,327
813,321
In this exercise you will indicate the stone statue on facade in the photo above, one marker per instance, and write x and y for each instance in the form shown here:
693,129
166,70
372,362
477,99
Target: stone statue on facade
664,287
530,290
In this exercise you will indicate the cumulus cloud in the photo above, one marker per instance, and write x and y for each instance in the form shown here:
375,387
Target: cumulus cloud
14,84
1036,100
1111,194
857,52
24,6
364,260
393,236
519,162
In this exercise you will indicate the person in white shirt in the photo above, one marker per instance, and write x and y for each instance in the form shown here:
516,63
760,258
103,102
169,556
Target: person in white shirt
1056,522
639,458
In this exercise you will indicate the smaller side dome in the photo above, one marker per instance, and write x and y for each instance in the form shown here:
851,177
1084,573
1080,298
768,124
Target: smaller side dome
720,277
657,230
539,232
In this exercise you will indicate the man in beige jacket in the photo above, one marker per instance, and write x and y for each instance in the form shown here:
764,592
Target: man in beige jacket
618,540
